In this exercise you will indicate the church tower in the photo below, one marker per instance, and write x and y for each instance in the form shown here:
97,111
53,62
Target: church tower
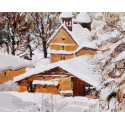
66,18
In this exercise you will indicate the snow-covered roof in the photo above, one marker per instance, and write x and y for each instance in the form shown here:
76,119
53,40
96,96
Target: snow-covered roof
78,67
82,34
66,15
12,62
43,61
91,45
82,17
41,82
69,32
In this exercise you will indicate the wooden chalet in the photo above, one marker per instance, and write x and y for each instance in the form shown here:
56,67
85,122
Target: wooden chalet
64,77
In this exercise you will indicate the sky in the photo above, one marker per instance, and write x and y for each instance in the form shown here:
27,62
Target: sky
62,6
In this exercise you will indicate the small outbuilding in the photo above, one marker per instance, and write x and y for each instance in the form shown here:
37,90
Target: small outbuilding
11,66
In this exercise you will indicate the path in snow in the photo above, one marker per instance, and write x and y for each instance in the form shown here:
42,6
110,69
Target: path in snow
15,101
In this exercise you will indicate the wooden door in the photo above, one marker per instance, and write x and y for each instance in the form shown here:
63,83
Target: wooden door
75,87
30,87
78,87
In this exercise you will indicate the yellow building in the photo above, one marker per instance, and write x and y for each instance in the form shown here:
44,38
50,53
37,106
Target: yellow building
69,38
11,66
62,45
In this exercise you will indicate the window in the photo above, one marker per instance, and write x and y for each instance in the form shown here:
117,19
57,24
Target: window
62,57
44,86
5,74
62,47
53,77
63,38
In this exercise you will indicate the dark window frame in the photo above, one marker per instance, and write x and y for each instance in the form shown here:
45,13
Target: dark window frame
62,47
63,57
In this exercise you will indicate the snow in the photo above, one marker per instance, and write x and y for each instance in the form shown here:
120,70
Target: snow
66,91
113,47
78,67
24,101
108,80
10,102
106,55
66,15
108,35
97,25
8,86
105,92
90,45
13,62
104,38
115,80
60,52
41,82
83,35
82,17
42,61
121,56
37,54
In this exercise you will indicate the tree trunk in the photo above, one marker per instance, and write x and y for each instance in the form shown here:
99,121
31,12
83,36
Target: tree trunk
44,49
31,54
13,46
7,47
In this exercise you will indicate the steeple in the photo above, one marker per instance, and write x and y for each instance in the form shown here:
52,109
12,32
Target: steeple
66,18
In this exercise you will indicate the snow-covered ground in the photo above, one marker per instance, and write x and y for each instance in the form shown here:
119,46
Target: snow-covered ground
15,101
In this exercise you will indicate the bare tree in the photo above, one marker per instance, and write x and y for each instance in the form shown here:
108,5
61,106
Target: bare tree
13,25
43,26
113,19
